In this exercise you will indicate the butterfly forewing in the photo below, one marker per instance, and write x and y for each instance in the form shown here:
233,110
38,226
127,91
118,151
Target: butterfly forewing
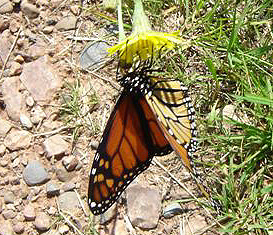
131,138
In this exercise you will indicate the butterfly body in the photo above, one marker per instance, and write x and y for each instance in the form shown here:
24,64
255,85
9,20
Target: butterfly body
151,117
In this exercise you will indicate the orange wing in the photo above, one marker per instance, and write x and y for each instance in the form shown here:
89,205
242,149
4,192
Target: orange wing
131,138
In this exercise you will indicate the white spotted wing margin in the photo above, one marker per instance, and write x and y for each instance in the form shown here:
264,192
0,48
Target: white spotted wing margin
171,104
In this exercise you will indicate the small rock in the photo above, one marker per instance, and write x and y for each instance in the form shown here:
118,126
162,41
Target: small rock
15,180
52,189
109,214
4,24
16,162
14,26
55,145
120,227
8,214
68,187
4,162
67,23
2,149
172,210
5,6
24,191
93,54
42,221
6,228
37,114
75,9
70,162
19,228
144,206
19,59
69,201
52,211
47,84
30,101
30,10
94,144
5,126
1,206
15,69
29,212
48,29
63,175
12,97
9,197
35,173
63,229
16,140
25,121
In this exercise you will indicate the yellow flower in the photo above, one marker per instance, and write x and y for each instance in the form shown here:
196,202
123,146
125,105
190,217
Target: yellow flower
143,42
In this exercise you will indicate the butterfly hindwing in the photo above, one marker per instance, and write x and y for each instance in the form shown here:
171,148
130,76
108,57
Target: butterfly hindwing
131,138
175,114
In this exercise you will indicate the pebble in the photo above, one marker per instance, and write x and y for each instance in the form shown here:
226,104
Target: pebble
30,101
35,173
67,23
93,54
109,214
172,210
52,210
29,212
69,201
48,29
4,24
143,205
15,69
46,86
1,206
94,144
29,9
14,26
63,229
14,180
4,162
16,140
19,59
63,175
8,214
52,189
37,114
6,228
2,149
68,187
55,145
70,162
24,191
5,6
25,121
12,97
5,126
42,221
19,228
75,9
9,197
16,162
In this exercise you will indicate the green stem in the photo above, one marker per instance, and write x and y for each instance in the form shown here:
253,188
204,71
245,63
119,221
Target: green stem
121,35
140,20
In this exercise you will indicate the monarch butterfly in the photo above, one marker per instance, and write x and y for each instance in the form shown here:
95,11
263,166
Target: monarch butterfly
151,117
